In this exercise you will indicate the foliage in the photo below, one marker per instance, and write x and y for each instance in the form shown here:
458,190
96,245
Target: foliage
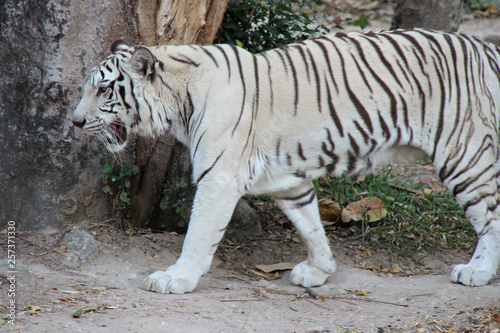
417,219
116,183
178,204
262,25
361,22
483,4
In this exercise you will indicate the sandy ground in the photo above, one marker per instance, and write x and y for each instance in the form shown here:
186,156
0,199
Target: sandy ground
234,299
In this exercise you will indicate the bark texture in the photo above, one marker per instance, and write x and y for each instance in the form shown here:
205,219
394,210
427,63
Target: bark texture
162,163
442,15
178,22
50,174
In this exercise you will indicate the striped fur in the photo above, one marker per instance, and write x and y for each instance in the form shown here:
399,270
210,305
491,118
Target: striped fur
270,123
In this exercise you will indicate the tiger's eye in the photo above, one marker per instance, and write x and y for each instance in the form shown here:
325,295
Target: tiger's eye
102,90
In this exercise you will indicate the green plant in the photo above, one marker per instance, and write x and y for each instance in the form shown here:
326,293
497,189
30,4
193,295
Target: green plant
116,183
171,201
361,22
416,220
483,4
262,25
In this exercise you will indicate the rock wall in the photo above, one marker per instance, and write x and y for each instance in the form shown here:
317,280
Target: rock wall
49,173
430,14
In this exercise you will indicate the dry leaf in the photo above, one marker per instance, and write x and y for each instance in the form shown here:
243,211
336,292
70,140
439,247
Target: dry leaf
65,299
84,310
369,266
396,269
72,292
373,209
360,292
437,186
34,309
431,266
407,189
61,249
282,266
492,8
329,210
264,275
274,290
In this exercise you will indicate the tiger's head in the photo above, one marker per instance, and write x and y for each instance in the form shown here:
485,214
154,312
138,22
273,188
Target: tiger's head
113,93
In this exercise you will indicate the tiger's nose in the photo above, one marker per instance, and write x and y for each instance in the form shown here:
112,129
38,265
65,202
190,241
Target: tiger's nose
79,124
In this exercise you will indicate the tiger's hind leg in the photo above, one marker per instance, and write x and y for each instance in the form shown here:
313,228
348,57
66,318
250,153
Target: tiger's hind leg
472,177
301,207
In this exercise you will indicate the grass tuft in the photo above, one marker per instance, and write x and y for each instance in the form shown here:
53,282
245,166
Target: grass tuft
418,219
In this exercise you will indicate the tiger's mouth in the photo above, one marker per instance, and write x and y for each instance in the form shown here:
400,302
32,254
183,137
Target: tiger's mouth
118,133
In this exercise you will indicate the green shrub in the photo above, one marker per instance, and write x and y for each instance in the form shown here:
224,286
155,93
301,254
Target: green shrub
483,4
415,221
262,25
116,183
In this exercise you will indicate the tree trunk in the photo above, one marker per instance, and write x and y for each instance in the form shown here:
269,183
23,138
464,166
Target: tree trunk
163,164
50,175
162,193
442,15
178,22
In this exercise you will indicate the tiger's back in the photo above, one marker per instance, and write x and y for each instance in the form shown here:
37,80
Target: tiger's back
339,104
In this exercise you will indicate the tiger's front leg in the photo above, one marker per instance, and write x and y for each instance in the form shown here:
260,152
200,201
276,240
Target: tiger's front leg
212,209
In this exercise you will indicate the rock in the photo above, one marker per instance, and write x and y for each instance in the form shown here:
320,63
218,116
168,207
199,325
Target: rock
82,246
48,167
439,15
244,221
494,39
21,271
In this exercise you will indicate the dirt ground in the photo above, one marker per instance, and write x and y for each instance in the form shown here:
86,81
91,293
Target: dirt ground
234,297
370,292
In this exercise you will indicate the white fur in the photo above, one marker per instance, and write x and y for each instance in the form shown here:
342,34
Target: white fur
273,122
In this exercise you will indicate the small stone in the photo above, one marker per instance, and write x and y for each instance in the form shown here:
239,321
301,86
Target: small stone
244,221
81,245
18,269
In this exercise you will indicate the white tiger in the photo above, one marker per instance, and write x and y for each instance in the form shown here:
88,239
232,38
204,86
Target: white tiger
270,123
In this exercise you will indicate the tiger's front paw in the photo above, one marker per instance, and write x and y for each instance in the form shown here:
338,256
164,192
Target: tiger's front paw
306,275
471,276
168,282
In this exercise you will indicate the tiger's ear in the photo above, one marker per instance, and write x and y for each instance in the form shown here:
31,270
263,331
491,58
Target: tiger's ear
119,45
143,61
